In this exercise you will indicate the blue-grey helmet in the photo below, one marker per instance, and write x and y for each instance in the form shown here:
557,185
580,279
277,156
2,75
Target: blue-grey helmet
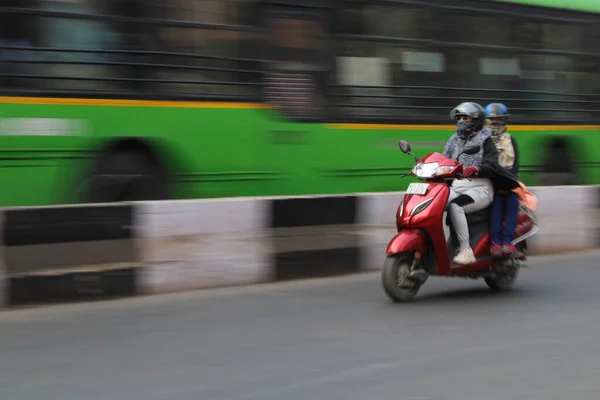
497,111
496,117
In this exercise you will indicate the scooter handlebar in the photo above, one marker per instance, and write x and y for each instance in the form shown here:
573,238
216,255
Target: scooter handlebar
459,175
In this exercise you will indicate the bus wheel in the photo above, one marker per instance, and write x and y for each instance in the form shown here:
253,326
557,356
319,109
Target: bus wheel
126,175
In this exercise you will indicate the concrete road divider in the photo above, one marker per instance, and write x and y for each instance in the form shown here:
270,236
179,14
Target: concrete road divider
314,236
59,252
203,243
150,247
568,217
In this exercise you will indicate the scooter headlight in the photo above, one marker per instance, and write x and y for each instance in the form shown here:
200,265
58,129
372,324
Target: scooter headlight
425,170
444,169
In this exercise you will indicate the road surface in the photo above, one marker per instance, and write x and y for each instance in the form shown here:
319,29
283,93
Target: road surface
319,340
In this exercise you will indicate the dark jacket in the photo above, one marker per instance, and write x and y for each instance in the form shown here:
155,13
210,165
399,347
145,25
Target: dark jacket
502,178
488,165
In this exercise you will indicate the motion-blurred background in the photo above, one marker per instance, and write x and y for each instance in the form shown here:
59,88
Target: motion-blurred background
281,97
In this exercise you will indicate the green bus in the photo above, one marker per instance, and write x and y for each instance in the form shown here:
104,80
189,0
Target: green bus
122,100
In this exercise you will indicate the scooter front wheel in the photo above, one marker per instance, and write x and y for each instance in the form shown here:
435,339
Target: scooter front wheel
394,277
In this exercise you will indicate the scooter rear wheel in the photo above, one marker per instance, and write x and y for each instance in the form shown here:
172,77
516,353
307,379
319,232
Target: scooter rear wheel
394,277
504,281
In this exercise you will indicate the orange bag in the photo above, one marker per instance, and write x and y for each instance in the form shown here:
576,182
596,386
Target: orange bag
526,198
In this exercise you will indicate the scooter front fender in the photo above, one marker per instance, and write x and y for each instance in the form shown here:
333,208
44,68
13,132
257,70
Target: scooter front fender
407,240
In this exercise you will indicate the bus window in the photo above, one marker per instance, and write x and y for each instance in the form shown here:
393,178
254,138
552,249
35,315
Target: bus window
381,63
69,70
209,37
17,30
295,69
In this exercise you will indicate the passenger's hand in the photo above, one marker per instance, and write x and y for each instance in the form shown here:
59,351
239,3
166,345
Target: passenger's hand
470,171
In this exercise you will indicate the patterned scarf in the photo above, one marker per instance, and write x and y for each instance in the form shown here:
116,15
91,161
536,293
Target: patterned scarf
455,145
506,151
497,129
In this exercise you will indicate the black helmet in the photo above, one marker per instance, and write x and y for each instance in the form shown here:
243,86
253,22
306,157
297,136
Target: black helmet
470,109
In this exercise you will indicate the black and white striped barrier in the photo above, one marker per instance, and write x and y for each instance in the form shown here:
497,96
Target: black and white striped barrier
54,252
142,248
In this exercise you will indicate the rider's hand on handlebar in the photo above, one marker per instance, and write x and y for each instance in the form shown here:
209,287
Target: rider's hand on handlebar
460,176
470,171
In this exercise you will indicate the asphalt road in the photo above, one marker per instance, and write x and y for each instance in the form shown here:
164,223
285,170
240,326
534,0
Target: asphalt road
326,339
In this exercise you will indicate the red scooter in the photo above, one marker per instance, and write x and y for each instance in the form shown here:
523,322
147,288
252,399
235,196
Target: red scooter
420,248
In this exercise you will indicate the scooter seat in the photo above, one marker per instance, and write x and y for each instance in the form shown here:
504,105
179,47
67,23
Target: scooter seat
479,217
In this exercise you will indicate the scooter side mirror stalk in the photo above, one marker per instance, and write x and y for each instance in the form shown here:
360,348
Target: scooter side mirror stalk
405,148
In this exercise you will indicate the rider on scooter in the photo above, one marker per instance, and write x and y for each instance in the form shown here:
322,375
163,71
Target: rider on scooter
477,193
506,202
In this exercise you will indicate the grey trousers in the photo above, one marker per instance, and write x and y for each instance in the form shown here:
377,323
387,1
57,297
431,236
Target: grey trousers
465,202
